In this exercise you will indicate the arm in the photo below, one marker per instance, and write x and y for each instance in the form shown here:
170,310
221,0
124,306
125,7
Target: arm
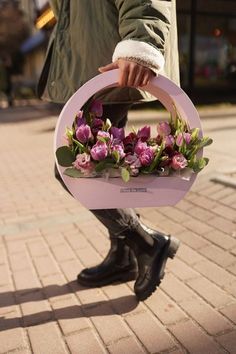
143,27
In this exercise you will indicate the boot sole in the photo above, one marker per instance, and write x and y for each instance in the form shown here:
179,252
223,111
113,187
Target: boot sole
169,252
121,278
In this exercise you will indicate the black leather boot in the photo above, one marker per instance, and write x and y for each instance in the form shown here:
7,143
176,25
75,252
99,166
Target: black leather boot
119,265
152,250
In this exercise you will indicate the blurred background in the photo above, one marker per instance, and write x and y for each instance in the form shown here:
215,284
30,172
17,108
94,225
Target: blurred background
207,44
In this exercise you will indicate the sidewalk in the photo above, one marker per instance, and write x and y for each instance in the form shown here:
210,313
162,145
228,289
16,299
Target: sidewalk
46,238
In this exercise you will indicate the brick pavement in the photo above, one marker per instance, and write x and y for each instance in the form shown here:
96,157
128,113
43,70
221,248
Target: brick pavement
46,238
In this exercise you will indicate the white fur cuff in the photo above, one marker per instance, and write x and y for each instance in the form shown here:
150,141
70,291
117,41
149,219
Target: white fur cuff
140,52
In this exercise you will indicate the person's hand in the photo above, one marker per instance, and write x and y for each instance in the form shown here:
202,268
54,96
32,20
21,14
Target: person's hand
130,73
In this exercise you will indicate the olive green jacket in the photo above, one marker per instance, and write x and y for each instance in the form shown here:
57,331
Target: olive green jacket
92,33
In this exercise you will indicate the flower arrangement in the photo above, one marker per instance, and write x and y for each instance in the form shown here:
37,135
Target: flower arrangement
96,148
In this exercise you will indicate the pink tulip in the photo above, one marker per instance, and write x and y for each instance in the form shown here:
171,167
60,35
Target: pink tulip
179,140
163,129
83,133
119,148
83,163
99,151
140,147
103,134
169,140
146,157
187,138
178,162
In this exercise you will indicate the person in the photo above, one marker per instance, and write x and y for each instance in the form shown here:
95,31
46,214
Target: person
138,37
5,79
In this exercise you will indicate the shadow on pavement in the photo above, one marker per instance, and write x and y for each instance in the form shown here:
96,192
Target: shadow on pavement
119,306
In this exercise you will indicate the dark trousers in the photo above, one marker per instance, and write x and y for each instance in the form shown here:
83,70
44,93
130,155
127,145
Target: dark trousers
115,220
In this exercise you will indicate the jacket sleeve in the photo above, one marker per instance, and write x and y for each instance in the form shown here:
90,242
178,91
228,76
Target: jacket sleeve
143,28
55,5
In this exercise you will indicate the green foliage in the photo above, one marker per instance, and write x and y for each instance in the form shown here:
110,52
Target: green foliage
72,172
125,174
65,156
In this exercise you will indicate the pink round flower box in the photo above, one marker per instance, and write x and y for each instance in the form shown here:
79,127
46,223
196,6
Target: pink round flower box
141,191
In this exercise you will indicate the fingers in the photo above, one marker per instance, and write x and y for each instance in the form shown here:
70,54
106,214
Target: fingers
131,74
108,67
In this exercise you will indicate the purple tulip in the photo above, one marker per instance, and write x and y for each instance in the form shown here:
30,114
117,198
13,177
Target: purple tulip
163,129
96,108
96,125
118,133
146,157
99,151
187,138
80,119
130,142
178,162
180,139
83,133
140,147
144,133
169,140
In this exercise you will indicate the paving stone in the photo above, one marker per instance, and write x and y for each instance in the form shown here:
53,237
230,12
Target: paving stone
20,261
188,255
13,340
38,248
194,339
85,342
228,341
215,273
181,270
206,316
217,255
153,336
225,212
230,311
209,291
176,289
46,266
124,345
46,339
70,316
165,309
63,252
35,309
223,224
192,239
221,239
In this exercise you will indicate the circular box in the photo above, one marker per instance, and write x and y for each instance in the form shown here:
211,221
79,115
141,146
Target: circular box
141,191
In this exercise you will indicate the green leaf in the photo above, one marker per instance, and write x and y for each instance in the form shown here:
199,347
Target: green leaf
116,155
65,156
200,164
125,174
72,172
195,133
82,147
102,165
205,141
156,160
